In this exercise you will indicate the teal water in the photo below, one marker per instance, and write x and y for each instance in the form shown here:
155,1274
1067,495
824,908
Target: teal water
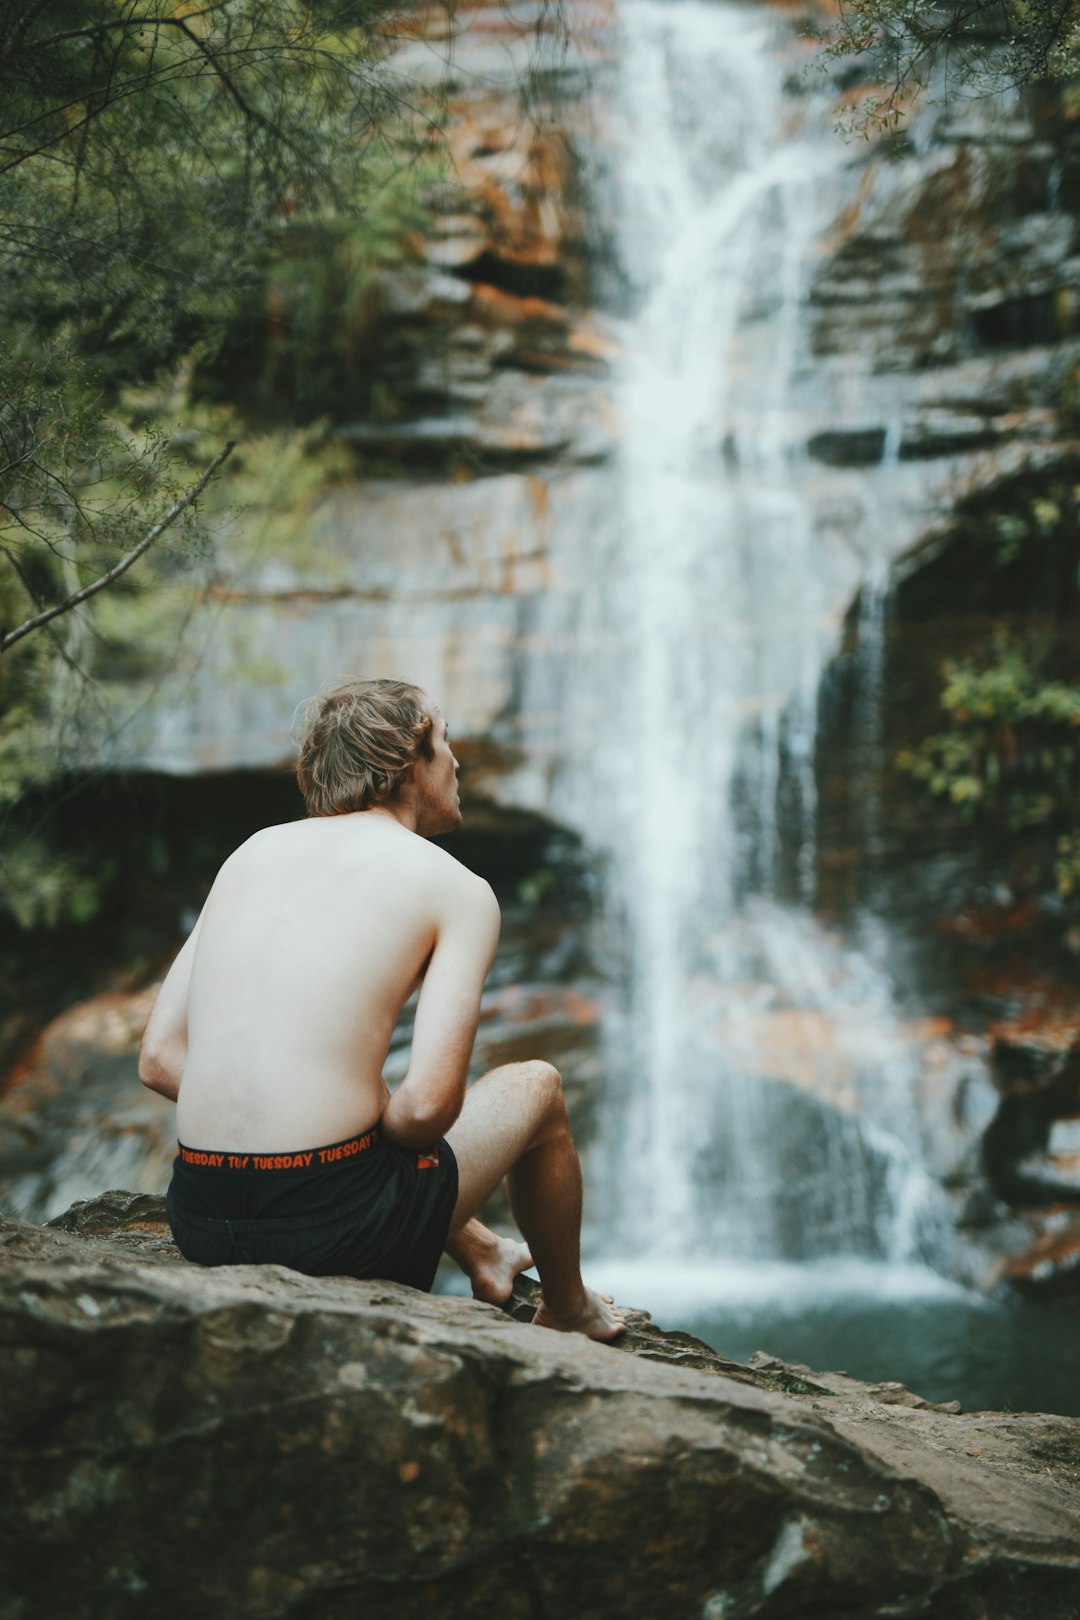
875,1322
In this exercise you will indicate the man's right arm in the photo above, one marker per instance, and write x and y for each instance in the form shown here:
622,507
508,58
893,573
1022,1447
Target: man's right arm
429,1099
164,1044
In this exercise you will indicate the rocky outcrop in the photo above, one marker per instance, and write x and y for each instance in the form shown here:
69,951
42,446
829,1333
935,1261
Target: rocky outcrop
1031,1149
258,1443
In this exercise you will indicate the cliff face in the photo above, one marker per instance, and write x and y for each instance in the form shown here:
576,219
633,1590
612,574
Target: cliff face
957,266
942,358
257,1443
497,423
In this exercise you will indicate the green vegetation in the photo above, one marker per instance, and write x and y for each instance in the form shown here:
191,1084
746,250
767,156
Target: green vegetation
973,47
196,205
1007,760
1010,758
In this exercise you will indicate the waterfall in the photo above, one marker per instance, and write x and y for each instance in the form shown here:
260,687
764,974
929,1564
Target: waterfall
760,1090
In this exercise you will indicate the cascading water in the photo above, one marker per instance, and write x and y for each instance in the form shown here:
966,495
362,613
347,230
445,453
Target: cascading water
699,655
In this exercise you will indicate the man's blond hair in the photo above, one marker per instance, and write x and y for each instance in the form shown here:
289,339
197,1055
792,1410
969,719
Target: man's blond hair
357,743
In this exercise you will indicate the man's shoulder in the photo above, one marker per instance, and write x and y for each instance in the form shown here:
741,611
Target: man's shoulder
449,875
407,860
264,844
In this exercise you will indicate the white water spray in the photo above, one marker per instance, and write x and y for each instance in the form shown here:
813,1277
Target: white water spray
759,1092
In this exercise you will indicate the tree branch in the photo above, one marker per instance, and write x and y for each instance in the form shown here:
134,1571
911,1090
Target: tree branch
10,637
111,24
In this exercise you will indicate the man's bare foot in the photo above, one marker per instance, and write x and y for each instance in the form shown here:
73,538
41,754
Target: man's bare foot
490,1262
493,1270
598,1318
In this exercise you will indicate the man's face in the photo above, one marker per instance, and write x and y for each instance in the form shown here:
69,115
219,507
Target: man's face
438,809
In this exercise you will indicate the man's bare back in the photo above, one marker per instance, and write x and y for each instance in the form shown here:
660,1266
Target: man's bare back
274,1022
312,939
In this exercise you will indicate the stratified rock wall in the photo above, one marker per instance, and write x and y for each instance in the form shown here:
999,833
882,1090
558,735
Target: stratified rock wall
493,447
941,353
253,1443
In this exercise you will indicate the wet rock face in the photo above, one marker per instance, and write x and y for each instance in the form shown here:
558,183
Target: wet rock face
256,1443
1031,1150
959,244
489,344
491,440
494,472
981,936
74,1113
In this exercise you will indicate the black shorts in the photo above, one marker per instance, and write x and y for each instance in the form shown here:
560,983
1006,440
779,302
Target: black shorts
359,1208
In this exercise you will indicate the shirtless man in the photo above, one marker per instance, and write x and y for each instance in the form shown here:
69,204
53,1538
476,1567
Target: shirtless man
273,1024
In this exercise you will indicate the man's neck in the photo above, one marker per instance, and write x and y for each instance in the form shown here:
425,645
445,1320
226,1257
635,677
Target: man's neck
402,810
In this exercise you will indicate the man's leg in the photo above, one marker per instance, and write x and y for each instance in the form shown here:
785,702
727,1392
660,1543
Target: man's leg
514,1124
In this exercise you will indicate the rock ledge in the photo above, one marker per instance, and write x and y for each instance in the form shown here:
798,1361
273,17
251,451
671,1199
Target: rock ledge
254,1443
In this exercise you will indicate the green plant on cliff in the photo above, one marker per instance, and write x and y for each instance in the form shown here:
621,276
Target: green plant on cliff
1006,760
1068,865
1012,752
1033,540
1009,759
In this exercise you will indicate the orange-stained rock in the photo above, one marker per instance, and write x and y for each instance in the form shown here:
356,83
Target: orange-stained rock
1052,1264
800,1045
497,306
514,177
558,1023
74,1116
540,1003
1047,1028
108,1026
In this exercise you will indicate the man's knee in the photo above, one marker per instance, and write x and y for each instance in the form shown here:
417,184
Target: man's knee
545,1084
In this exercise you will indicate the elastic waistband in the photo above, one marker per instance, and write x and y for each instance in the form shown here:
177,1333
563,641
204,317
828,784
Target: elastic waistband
306,1159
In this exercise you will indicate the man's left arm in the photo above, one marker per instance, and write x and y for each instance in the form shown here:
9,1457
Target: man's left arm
165,1043
429,1098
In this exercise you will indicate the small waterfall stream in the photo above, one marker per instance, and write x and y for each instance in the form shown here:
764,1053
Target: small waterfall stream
760,1096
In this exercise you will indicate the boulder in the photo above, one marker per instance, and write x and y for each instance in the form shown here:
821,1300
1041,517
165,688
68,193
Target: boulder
253,1442
1050,1265
1032,1147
